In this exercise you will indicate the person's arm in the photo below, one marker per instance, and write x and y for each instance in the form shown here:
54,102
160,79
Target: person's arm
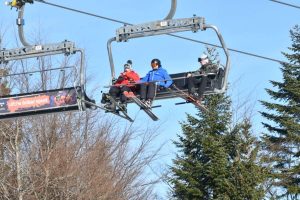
214,68
197,73
145,78
133,77
168,79
119,80
193,73
202,69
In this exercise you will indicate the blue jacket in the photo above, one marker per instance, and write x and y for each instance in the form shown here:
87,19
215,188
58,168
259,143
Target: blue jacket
157,75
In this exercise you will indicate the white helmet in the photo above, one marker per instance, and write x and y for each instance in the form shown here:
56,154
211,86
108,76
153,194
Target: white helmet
127,66
202,57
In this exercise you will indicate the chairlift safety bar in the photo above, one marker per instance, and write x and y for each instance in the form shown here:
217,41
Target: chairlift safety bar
37,71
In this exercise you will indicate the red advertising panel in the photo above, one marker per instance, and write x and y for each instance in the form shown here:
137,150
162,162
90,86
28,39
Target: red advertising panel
47,101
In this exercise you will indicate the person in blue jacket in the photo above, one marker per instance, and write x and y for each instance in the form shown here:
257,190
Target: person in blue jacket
156,79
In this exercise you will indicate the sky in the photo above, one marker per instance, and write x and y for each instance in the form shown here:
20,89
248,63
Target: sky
256,26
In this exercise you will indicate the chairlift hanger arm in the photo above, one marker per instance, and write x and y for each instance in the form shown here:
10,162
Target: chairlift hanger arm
172,10
20,5
226,51
20,23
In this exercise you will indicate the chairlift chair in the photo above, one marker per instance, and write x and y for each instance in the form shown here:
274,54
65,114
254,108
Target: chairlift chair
63,98
217,82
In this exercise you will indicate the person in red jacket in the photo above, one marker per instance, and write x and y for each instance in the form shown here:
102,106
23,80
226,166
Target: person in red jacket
124,84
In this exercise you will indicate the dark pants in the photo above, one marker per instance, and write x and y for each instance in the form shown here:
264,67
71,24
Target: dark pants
148,91
115,92
200,83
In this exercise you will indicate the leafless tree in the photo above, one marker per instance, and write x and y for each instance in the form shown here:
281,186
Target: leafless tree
72,155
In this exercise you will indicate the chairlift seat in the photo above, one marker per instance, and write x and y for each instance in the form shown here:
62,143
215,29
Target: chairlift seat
180,80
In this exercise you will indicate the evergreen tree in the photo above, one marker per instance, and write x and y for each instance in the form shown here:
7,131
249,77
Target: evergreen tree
282,142
215,161
246,174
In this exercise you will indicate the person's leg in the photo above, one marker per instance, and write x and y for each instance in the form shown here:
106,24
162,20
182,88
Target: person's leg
123,98
104,98
114,91
151,91
152,87
143,91
192,82
202,86
136,89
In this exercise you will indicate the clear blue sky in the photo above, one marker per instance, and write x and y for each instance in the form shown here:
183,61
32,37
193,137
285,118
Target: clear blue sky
257,26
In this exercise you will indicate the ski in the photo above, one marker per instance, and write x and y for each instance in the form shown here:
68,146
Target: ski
187,98
142,106
125,115
119,109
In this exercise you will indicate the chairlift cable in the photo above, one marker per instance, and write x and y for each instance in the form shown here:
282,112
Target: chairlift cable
173,35
233,50
286,4
83,12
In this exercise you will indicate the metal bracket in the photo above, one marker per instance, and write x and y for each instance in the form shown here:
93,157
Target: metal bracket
18,3
65,47
160,27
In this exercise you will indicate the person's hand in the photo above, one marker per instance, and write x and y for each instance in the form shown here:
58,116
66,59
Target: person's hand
114,80
172,86
160,88
121,78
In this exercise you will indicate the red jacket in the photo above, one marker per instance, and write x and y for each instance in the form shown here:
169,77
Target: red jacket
126,78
